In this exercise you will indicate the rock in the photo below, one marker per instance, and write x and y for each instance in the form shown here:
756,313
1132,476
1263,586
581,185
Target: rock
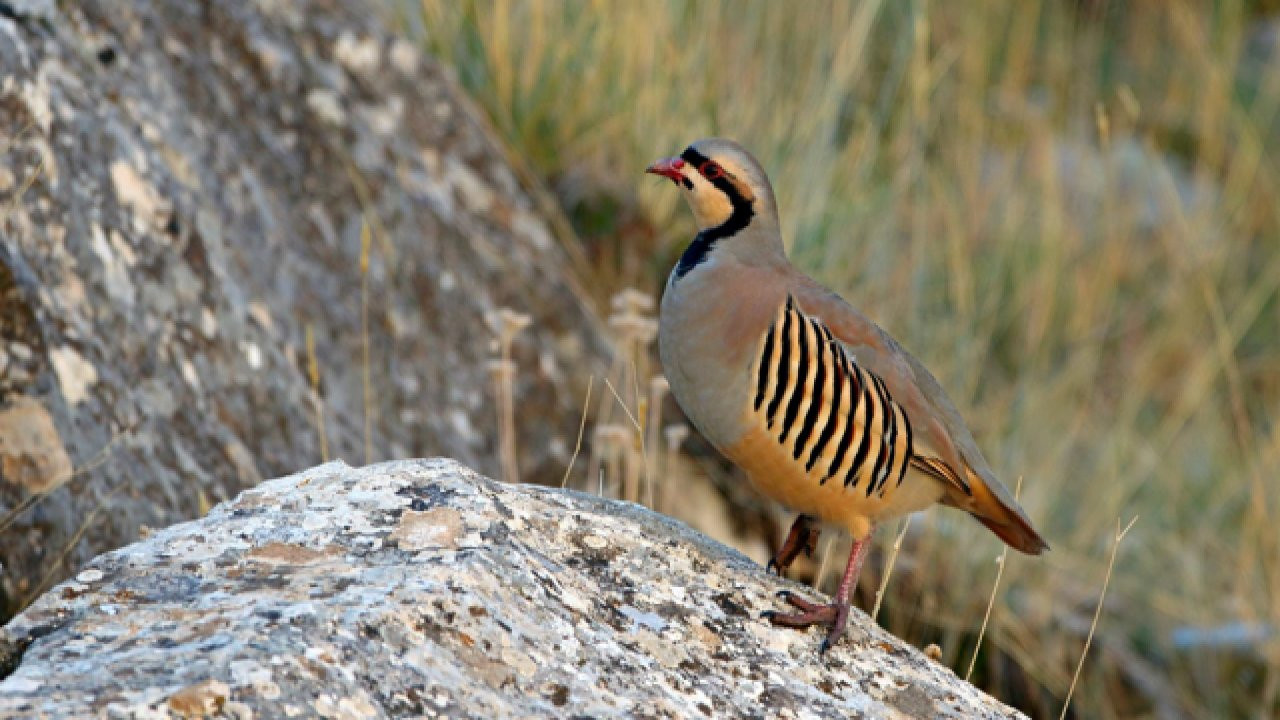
28,9
1156,191
31,453
420,588
183,189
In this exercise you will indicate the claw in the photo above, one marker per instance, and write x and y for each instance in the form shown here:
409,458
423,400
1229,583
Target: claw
837,629
834,616
803,604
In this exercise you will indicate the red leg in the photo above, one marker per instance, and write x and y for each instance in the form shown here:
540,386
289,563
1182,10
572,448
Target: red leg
802,537
834,615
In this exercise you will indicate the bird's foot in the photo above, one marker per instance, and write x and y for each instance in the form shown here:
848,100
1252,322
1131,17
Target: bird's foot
803,537
834,616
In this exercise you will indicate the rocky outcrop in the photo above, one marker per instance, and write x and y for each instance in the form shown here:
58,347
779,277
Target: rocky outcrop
421,588
183,188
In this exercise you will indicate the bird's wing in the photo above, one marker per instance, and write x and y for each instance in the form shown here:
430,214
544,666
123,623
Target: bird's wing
946,448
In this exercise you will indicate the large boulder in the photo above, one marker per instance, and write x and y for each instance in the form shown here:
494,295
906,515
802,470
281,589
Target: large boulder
183,187
420,588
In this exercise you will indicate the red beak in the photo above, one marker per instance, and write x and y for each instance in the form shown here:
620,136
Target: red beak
668,168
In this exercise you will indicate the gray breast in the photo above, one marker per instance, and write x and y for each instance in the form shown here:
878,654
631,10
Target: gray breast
713,391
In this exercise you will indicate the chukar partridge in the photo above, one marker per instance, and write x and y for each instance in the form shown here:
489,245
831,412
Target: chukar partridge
825,412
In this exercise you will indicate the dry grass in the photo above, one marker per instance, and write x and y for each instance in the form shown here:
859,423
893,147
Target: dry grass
366,379
1070,214
991,601
317,397
506,324
1097,613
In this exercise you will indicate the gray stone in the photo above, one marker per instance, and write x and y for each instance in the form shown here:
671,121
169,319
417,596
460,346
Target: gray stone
183,186
420,588
32,9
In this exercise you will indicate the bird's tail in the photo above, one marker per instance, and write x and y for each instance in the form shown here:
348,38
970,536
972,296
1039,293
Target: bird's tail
992,506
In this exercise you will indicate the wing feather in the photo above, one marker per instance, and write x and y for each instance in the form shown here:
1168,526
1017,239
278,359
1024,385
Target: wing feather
944,447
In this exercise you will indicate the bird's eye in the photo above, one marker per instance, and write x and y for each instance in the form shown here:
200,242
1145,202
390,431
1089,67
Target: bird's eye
711,171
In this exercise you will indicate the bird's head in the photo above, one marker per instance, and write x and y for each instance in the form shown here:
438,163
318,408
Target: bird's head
726,188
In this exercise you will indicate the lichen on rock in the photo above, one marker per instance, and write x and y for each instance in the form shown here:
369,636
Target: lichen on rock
31,451
421,588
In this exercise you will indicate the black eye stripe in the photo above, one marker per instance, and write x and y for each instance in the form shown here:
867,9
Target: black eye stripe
708,168
693,157
721,182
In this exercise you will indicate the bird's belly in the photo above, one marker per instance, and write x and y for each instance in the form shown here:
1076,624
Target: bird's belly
776,474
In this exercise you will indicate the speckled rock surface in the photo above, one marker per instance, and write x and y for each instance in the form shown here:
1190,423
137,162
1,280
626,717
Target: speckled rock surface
182,189
420,588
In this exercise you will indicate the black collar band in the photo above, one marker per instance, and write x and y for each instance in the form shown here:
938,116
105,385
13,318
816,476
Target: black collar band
739,219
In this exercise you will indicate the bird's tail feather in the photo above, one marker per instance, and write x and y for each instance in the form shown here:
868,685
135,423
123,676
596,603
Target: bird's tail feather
1017,535
1002,516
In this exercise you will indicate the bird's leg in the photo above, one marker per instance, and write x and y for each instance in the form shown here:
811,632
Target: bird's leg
834,615
802,537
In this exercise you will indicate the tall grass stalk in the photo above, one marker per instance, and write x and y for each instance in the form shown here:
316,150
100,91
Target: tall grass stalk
995,588
1097,613
582,426
888,565
366,377
317,402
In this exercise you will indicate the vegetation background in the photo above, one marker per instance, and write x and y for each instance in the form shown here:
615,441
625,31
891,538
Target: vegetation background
1067,209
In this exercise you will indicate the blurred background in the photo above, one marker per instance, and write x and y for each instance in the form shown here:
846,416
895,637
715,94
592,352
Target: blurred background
1067,209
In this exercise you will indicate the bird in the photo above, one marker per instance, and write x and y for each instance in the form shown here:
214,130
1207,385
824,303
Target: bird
825,412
